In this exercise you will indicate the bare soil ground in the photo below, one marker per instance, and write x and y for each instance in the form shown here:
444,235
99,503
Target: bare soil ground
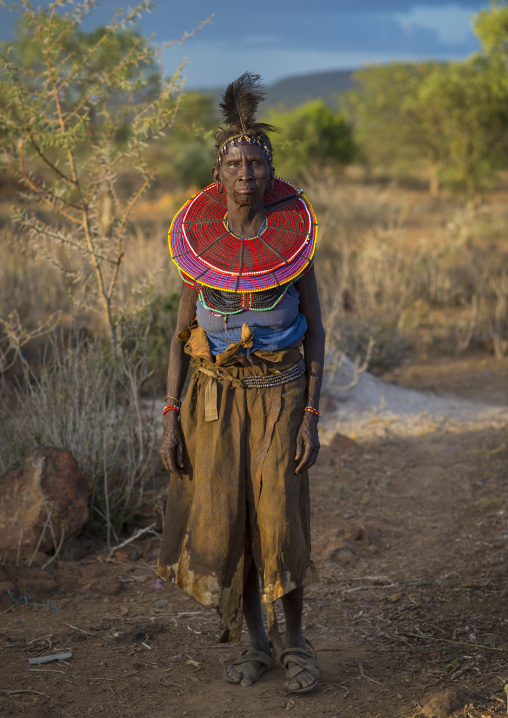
411,537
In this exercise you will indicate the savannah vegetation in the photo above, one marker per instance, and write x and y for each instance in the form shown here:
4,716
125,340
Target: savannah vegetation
99,149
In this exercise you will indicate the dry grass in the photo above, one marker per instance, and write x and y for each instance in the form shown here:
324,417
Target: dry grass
85,398
416,276
413,273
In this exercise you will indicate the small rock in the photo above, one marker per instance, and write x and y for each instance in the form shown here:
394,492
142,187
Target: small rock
34,583
107,585
342,556
394,597
341,441
444,703
344,551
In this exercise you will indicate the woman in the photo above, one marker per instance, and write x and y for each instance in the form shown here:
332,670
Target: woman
248,430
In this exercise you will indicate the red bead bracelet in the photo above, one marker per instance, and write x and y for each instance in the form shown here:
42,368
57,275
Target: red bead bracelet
312,410
173,407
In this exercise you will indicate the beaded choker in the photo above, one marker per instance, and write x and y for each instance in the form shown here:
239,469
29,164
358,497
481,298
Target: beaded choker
224,304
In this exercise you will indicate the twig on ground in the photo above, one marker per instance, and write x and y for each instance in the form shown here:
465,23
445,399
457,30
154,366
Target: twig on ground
362,673
370,588
27,690
134,536
75,628
457,643
92,678
42,638
45,670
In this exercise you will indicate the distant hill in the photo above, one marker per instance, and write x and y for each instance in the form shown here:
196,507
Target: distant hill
294,91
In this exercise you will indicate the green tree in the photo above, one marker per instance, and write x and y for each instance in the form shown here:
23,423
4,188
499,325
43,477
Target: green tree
449,119
388,133
68,97
491,28
461,116
314,135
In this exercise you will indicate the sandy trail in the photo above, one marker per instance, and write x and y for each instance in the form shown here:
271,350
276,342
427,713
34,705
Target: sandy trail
375,409
410,534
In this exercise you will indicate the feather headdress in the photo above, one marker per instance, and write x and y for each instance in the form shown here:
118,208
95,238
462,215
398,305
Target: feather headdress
239,108
240,103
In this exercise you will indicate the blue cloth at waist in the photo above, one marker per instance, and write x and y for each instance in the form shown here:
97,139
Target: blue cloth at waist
274,329
264,337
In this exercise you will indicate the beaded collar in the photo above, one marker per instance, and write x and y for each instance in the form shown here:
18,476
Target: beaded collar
208,254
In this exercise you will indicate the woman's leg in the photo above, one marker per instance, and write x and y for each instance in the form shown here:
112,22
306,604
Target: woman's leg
294,638
257,634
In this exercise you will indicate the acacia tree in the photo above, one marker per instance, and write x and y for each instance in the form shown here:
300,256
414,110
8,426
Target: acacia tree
77,109
462,116
388,134
451,118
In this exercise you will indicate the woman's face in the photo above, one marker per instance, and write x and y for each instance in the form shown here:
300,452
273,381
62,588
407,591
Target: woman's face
244,174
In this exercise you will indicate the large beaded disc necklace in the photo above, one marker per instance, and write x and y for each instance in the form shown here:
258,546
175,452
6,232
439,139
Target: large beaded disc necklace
232,274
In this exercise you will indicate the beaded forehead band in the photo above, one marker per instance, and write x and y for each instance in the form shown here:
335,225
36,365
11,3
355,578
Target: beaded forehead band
242,139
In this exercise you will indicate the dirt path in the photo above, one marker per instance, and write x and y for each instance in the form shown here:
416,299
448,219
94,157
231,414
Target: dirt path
410,534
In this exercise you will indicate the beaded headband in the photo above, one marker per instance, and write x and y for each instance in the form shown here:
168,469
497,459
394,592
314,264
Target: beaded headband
250,140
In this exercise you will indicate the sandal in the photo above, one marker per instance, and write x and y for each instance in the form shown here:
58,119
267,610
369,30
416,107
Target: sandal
301,659
246,658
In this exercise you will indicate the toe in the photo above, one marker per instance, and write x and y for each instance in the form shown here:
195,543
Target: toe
234,674
302,680
246,681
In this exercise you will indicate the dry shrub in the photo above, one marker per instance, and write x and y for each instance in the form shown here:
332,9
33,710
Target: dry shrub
377,284
85,399
36,288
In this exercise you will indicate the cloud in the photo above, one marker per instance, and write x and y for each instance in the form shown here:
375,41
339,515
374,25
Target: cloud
213,65
451,23
278,39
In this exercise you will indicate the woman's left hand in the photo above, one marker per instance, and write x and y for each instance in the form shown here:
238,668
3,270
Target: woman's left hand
307,443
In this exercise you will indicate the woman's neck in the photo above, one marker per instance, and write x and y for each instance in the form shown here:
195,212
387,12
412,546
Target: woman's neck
245,221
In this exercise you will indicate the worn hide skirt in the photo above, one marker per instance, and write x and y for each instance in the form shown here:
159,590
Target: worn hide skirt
240,499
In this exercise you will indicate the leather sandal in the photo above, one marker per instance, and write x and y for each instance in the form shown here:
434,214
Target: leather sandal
246,658
295,661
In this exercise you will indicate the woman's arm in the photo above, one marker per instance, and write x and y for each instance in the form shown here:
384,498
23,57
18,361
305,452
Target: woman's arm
307,443
171,446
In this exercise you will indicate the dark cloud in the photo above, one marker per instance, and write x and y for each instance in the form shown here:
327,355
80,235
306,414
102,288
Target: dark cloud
259,33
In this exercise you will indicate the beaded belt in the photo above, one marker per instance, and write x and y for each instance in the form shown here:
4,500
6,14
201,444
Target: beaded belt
276,379
247,382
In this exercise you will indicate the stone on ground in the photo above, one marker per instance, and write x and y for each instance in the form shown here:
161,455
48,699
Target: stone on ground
49,483
444,703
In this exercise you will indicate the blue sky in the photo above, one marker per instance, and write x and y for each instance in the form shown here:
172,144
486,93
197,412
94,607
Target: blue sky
280,38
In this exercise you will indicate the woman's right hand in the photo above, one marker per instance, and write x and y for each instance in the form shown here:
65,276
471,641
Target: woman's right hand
171,446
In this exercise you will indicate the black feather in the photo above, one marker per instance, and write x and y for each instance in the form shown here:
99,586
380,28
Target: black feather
240,104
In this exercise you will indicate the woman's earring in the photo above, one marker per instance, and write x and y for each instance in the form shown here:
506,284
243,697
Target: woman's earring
219,187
